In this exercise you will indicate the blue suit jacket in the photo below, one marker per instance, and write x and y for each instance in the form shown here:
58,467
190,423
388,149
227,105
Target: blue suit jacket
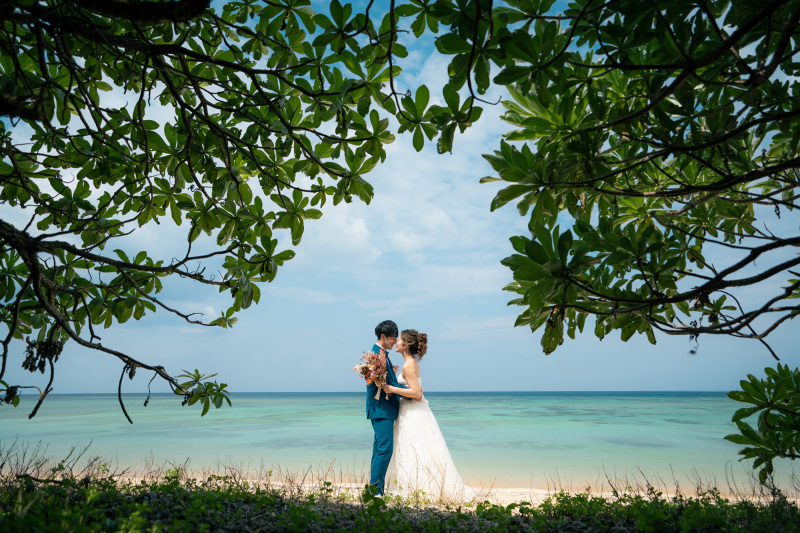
383,408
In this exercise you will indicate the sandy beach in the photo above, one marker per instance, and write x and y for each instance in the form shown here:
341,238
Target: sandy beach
301,483
345,482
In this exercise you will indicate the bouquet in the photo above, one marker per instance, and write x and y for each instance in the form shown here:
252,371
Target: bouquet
373,370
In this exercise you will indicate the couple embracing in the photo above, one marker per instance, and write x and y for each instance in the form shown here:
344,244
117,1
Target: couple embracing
409,455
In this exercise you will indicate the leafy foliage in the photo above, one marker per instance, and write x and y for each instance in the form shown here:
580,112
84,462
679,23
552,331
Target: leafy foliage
199,389
646,138
660,134
229,126
775,401
225,503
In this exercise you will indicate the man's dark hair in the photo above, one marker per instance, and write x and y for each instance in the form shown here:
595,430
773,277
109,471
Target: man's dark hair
387,327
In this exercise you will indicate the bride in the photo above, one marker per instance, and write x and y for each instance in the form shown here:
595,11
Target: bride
421,463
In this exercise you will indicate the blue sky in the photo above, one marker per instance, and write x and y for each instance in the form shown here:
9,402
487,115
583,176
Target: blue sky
425,253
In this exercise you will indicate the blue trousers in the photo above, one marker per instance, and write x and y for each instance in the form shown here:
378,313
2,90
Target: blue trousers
382,447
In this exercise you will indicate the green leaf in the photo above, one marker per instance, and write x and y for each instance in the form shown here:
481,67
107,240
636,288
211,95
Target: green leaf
452,43
511,75
155,142
506,195
312,213
419,139
422,99
450,94
738,439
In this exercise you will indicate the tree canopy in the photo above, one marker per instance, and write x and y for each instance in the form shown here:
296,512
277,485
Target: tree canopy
648,142
233,124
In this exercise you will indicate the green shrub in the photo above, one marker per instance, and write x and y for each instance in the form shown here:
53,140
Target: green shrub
221,503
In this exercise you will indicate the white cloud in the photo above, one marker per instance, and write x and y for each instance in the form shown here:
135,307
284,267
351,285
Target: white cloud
340,236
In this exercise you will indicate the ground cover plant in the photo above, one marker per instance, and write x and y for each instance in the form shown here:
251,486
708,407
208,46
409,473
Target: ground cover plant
37,496
221,504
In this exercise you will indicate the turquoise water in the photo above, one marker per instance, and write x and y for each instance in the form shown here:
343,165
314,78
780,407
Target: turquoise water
524,439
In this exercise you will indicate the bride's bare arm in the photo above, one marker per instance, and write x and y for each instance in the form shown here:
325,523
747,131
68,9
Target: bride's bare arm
414,391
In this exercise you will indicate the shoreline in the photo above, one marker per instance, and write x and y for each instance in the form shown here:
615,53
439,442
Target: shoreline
341,479
299,483
346,485
350,491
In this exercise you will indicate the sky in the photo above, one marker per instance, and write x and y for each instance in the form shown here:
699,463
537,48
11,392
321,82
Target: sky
425,253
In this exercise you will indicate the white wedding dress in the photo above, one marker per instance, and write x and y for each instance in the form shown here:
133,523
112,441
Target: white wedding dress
421,465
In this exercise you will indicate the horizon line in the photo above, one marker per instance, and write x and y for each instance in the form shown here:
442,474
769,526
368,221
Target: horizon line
430,392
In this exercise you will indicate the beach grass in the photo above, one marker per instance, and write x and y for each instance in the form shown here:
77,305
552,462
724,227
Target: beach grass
80,493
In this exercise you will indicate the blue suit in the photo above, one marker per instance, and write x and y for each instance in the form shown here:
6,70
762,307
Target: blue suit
382,413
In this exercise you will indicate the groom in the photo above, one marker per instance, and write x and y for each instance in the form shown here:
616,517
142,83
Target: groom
383,412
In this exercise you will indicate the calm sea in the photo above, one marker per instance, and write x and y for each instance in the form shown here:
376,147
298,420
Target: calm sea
510,439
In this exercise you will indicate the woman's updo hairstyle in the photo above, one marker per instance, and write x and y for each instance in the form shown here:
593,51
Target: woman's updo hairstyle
417,342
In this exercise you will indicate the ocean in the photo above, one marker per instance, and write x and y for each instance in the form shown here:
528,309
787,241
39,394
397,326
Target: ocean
504,439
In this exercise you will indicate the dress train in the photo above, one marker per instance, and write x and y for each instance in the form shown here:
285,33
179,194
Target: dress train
421,465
